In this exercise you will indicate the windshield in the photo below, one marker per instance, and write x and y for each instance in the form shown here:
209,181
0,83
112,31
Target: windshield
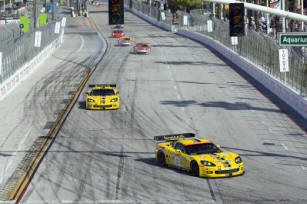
204,148
102,92
142,45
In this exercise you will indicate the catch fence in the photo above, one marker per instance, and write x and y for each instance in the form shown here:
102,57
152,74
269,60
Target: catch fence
257,47
17,49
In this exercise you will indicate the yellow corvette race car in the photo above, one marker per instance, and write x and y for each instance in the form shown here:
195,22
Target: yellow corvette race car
200,157
102,96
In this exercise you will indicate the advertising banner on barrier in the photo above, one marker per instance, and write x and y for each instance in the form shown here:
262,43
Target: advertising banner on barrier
163,16
57,27
185,20
234,40
38,39
0,63
209,26
63,21
283,60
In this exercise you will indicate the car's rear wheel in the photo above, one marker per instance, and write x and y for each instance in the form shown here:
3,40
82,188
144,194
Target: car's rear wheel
194,169
161,159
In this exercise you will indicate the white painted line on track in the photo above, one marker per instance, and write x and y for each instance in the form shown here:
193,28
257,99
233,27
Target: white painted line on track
284,146
304,168
82,43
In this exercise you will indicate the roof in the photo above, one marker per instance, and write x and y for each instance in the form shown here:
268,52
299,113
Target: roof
142,43
125,38
194,141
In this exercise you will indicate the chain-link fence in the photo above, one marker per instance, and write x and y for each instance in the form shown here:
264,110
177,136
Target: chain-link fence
21,50
9,32
255,46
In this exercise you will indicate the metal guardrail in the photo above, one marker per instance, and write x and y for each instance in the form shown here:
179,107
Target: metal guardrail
257,47
19,51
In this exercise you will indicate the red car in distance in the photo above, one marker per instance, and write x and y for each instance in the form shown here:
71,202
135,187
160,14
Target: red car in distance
118,33
124,41
142,48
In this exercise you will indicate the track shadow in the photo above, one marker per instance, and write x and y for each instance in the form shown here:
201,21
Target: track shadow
169,45
253,153
190,63
219,104
82,105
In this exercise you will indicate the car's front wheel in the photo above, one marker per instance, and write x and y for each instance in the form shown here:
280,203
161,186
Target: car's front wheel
194,169
161,159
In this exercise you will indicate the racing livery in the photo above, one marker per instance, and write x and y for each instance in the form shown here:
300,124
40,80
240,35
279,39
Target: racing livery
124,41
118,33
102,96
142,48
198,156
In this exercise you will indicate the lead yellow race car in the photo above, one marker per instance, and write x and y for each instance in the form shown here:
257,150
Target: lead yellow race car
102,96
200,157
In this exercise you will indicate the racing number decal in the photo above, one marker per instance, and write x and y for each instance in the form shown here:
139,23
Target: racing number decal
176,160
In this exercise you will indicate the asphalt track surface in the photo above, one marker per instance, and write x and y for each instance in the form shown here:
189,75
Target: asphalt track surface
107,156
29,111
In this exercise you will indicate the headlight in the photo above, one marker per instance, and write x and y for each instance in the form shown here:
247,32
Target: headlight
114,100
90,100
207,163
238,160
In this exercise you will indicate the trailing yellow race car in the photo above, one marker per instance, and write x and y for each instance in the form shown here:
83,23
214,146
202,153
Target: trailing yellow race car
102,96
200,157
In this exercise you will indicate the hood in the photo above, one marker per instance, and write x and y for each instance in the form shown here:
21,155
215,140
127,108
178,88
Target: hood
222,159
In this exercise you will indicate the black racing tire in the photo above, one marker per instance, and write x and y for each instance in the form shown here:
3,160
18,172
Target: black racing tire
161,159
194,169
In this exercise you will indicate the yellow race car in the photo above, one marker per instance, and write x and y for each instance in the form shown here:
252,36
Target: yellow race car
200,157
102,96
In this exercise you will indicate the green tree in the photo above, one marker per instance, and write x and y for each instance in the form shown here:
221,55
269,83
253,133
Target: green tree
184,5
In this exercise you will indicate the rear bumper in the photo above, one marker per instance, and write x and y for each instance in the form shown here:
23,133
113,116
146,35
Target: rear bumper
124,44
142,51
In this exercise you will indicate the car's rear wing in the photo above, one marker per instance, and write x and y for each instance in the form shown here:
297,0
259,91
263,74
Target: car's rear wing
174,136
102,85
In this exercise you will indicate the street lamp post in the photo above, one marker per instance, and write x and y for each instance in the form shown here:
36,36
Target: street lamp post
302,12
267,19
283,18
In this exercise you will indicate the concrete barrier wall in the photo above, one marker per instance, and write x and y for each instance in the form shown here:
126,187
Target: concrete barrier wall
285,93
8,85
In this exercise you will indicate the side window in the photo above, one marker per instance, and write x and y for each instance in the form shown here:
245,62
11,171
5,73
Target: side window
180,146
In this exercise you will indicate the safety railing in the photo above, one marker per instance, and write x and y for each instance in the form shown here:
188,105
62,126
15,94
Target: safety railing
18,51
255,46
